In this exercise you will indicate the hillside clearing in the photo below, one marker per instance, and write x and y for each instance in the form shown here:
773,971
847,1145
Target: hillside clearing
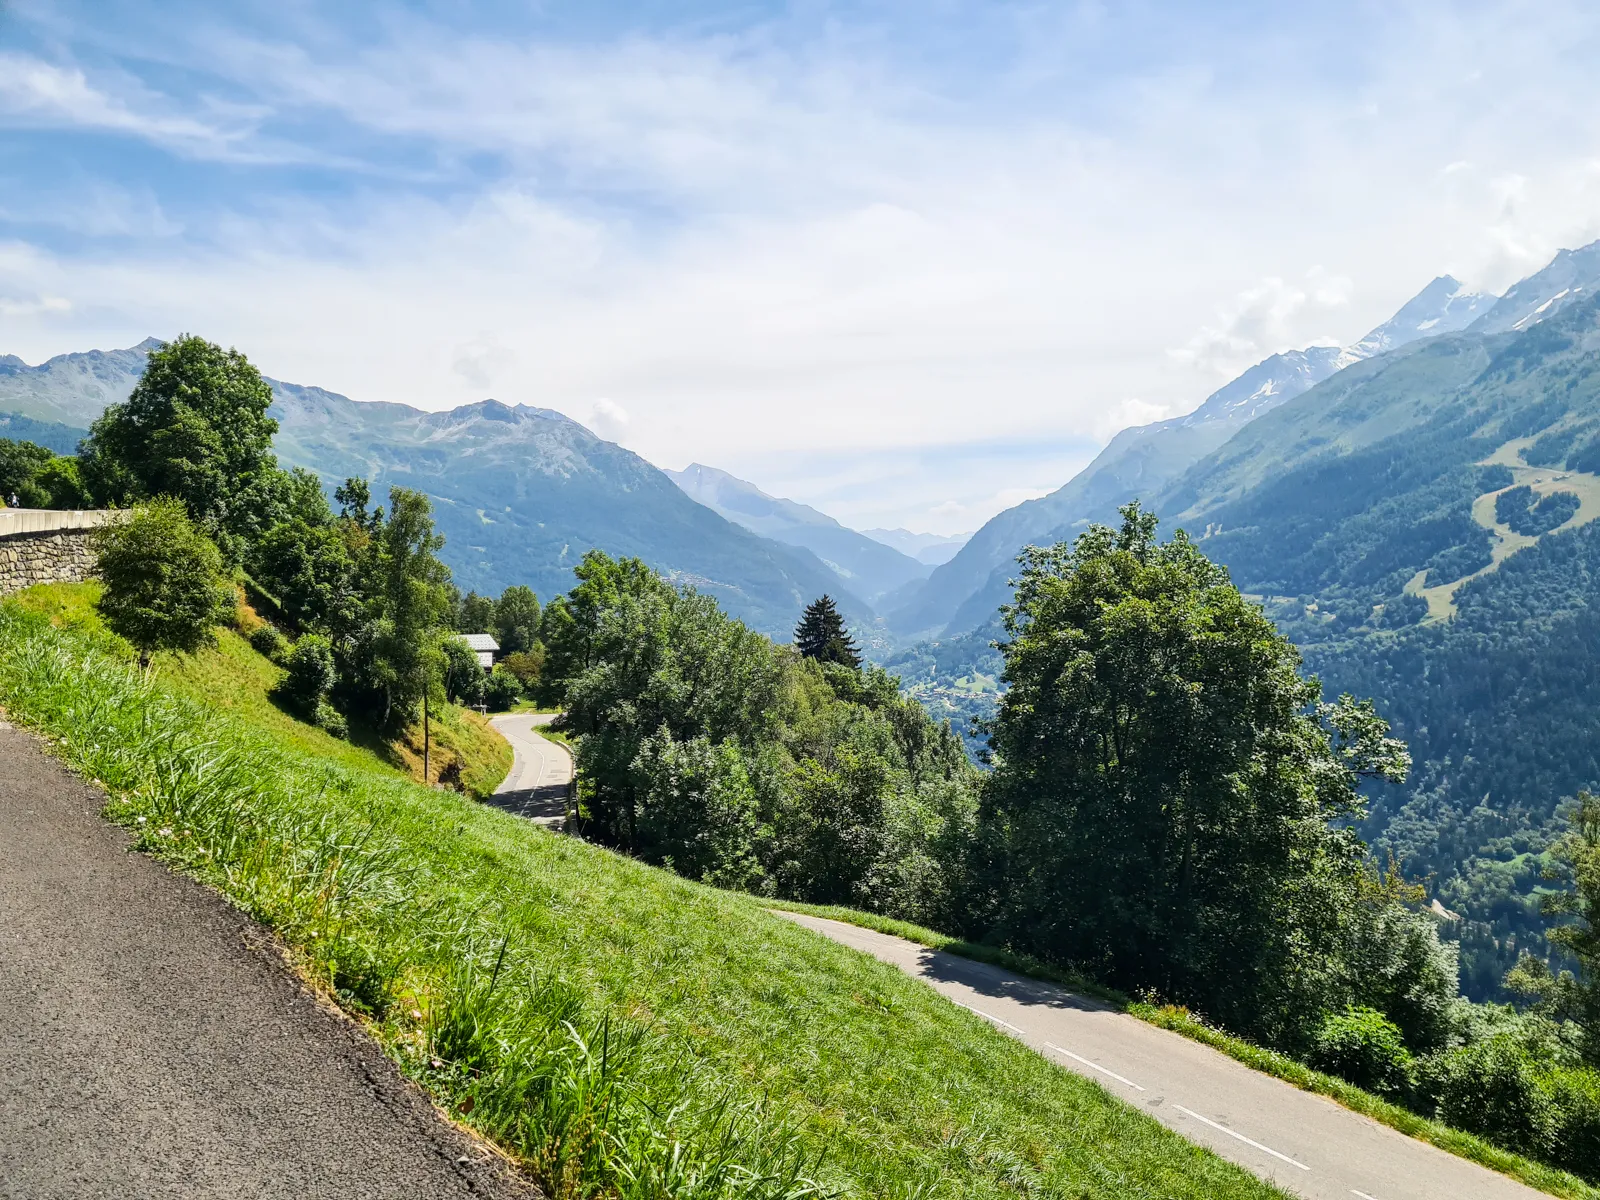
1544,481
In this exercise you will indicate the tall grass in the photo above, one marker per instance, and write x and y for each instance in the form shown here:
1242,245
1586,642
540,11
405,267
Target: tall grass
591,1104
234,678
621,1032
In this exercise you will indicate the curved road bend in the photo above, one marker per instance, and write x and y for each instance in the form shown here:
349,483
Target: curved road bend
152,1043
541,772
1304,1143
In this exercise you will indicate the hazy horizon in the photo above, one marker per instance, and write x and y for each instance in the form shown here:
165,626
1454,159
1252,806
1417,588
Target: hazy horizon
908,271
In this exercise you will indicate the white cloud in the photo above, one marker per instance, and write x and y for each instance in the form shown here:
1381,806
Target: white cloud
33,90
811,265
481,361
1266,319
12,306
956,516
1133,411
609,419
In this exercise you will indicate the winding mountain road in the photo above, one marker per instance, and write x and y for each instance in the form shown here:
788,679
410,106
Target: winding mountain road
541,772
153,1043
1304,1143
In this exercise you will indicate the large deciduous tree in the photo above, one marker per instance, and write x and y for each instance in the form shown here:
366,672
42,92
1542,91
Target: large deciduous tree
475,614
309,571
516,619
1171,797
196,428
570,624
396,654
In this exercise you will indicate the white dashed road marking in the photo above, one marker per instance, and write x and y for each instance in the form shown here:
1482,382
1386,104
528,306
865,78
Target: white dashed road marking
1095,1066
1235,1134
988,1017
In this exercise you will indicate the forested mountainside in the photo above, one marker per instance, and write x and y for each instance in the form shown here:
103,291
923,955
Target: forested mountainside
52,435
964,593
1421,525
956,678
521,493
1427,539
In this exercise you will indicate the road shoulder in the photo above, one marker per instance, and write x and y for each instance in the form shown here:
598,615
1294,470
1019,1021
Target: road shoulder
1301,1141
167,1049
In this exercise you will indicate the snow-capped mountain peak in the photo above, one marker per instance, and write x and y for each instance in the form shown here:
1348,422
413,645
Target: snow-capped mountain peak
1571,275
1444,306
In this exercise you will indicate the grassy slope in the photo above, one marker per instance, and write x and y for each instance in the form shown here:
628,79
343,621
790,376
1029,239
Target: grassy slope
235,679
1181,1020
474,941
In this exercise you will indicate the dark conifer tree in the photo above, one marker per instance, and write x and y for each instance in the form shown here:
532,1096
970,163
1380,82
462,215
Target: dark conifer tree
821,635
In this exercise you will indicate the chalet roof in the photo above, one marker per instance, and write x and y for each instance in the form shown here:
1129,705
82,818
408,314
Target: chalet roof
480,641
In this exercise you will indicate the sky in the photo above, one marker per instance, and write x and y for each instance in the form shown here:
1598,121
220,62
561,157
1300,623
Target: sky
910,263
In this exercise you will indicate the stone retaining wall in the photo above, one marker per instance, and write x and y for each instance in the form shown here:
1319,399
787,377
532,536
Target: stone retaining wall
46,546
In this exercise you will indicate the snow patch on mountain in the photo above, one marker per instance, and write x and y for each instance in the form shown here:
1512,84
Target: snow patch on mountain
1572,275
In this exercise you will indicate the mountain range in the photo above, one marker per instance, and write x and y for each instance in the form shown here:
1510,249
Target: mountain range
1423,524
935,549
869,566
1419,512
520,493
962,594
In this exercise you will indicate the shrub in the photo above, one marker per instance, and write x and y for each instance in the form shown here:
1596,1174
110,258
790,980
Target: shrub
526,665
502,689
1575,1104
1492,1088
699,809
310,676
266,641
329,718
1405,972
1365,1047
163,580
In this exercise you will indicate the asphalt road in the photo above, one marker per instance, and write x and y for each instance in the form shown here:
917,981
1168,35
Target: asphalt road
152,1044
1304,1143
541,772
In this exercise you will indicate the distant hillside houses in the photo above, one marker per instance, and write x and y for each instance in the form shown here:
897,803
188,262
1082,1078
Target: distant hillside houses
484,646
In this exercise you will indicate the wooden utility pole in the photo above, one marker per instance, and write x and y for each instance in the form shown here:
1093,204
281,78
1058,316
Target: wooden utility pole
426,778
